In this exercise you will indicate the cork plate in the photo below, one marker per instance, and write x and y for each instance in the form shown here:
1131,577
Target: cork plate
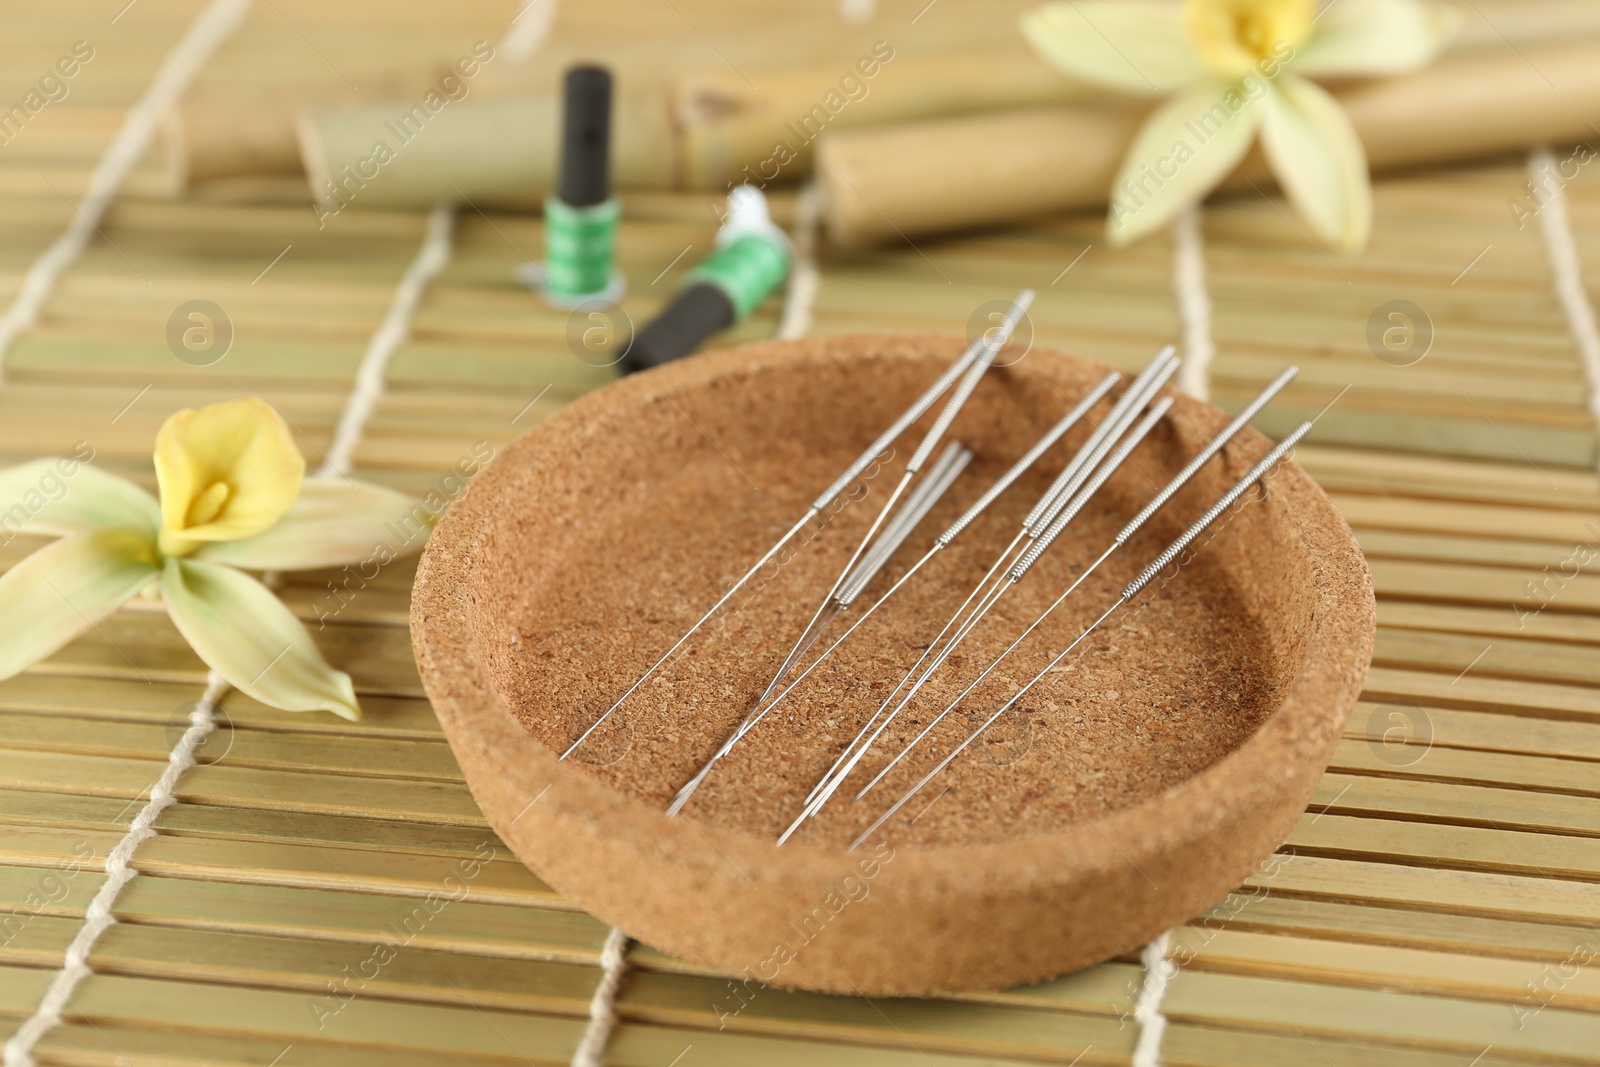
1125,795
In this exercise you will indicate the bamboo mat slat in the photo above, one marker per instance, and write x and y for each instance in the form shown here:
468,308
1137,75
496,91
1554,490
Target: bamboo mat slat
1422,903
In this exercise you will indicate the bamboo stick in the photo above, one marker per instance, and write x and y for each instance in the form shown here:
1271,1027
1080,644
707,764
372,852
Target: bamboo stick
1398,926
1414,970
1489,621
890,184
1312,1008
1537,775
1461,803
715,123
1466,847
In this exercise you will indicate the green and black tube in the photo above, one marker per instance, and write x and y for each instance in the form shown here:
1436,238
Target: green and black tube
751,260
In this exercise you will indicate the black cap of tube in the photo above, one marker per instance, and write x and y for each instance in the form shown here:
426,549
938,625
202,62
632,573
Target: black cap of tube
697,313
586,137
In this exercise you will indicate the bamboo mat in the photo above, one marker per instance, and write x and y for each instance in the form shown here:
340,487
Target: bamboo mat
1431,910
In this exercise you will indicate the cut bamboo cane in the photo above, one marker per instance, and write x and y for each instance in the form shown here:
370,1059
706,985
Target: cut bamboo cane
888,184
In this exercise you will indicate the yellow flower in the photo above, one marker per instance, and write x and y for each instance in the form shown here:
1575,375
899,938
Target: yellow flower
233,494
226,472
1235,68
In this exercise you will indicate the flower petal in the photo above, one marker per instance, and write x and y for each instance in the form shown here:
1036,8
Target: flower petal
1187,145
227,471
66,496
245,634
66,587
1135,46
333,522
1317,157
1368,37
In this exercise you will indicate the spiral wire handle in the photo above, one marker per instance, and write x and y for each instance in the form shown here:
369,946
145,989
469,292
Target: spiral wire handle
911,512
1215,446
1049,503
1133,588
1029,458
989,348
946,469
1043,542
918,409
1242,486
905,519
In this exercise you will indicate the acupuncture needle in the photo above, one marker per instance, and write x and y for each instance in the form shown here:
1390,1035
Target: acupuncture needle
873,451
1156,503
1031,526
912,511
940,477
1132,590
855,586
1066,486
991,343
1156,412
968,517
1111,432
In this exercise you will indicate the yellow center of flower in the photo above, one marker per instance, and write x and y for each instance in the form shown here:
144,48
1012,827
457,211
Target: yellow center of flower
227,472
209,504
1234,36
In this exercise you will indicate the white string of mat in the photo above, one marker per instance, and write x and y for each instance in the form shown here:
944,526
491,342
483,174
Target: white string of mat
1566,272
603,1005
1194,304
1194,317
177,70
359,405
1158,971
801,294
394,331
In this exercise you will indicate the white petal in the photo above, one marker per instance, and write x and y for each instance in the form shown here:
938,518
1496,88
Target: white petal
66,587
1135,46
245,634
333,522
1318,159
1368,37
1187,145
65,496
